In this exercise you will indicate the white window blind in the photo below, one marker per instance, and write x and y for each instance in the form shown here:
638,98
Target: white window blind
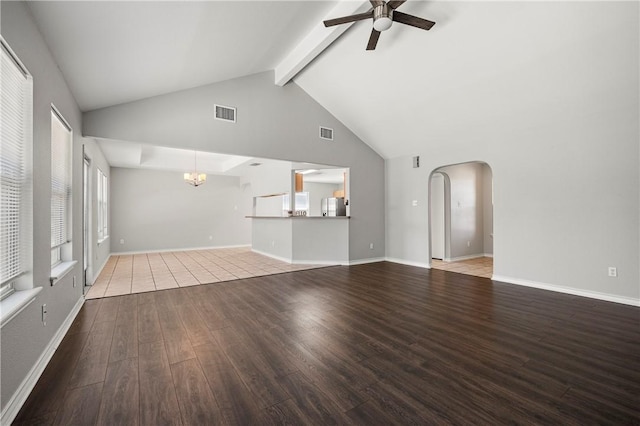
16,121
103,206
61,143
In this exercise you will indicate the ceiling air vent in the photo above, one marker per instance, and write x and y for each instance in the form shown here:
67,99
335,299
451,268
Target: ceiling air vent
225,113
326,133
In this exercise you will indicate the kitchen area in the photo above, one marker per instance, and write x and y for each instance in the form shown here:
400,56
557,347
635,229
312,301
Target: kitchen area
312,227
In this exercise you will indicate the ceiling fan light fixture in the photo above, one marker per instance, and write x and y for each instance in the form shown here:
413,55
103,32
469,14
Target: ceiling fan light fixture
382,23
382,18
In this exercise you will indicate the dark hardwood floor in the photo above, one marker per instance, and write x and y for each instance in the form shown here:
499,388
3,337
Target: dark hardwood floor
370,344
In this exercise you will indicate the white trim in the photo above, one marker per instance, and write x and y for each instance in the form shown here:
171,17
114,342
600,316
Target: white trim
123,253
60,270
320,262
14,304
304,262
408,262
20,396
273,256
369,260
569,290
488,255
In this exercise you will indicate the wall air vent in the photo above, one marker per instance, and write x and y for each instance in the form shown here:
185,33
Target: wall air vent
225,113
326,133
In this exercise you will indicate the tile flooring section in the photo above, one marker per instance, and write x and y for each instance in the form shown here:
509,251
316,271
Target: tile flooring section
479,267
127,274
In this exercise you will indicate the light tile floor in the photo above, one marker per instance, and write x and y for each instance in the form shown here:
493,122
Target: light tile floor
479,267
126,274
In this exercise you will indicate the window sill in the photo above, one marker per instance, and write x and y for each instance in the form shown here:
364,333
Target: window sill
60,270
14,304
103,240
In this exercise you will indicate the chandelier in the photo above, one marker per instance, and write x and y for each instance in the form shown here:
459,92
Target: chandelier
194,178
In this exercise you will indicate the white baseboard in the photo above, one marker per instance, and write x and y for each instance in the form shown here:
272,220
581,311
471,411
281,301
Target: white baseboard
408,262
301,262
126,253
488,255
20,396
273,256
320,262
569,290
363,261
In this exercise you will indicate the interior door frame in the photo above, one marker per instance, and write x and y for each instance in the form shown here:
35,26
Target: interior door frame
86,215
447,215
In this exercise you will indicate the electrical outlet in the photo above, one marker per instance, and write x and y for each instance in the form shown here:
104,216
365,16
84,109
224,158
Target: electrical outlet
414,203
371,246
613,271
468,243
121,240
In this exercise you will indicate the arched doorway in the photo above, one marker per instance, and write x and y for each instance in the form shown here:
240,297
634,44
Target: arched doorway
461,218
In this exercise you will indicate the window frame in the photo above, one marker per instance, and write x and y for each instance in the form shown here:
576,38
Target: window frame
103,205
61,192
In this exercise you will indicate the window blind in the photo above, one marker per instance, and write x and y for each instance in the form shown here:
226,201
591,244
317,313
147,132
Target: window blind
60,180
15,113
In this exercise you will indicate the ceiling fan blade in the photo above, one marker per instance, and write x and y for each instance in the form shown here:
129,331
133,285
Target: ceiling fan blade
414,21
346,19
373,40
394,4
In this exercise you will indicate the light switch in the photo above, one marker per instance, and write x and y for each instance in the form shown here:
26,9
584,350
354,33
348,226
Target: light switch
414,203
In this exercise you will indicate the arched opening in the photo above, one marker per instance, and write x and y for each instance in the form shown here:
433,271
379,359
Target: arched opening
461,218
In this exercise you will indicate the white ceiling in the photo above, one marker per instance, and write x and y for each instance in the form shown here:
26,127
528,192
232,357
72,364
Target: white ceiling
483,62
112,52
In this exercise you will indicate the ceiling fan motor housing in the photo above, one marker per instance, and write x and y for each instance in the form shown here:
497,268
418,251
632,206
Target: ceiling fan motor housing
382,18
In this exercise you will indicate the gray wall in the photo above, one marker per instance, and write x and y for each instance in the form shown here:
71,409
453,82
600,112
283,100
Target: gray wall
156,210
469,209
565,171
273,122
25,337
465,210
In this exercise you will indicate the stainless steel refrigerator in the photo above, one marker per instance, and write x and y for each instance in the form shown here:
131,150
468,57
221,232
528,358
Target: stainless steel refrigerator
333,207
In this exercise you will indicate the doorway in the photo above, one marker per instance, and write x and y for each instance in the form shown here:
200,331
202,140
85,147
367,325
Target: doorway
461,218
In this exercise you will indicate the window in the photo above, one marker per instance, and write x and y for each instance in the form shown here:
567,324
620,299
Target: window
301,204
61,144
15,171
103,206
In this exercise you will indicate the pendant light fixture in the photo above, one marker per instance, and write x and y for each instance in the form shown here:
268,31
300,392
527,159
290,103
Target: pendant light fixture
194,178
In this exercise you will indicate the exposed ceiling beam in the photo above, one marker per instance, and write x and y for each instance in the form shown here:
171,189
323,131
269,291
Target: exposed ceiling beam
318,39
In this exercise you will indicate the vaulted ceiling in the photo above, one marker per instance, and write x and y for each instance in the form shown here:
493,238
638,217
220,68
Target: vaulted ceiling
483,62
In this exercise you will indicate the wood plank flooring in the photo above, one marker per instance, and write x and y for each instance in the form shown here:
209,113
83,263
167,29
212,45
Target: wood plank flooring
370,344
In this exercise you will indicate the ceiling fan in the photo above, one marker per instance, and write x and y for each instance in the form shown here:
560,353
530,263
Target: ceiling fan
383,14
